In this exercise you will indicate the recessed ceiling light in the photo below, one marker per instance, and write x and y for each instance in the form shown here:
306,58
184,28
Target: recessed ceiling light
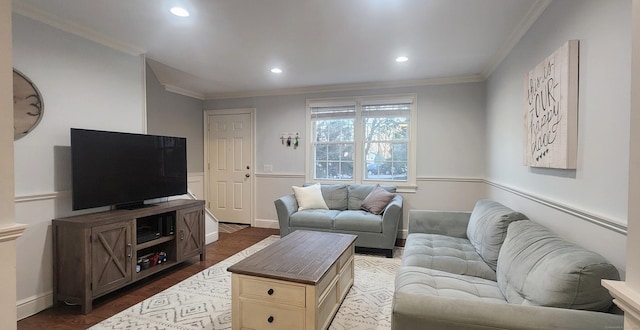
179,11
276,70
401,59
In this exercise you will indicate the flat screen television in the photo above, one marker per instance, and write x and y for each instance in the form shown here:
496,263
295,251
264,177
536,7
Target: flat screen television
125,169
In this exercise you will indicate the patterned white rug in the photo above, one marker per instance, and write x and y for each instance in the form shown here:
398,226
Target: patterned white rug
203,301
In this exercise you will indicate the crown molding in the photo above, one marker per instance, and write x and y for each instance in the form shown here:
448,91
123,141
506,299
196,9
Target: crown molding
182,91
532,16
347,87
64,25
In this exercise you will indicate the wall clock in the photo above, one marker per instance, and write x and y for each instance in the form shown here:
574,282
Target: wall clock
27,105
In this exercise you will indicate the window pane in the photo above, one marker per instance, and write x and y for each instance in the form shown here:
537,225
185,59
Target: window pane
334,130
386,129
346,171
321,170
321,152
334,161
386,161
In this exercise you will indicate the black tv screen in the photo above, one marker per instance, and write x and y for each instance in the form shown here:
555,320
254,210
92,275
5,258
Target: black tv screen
125,169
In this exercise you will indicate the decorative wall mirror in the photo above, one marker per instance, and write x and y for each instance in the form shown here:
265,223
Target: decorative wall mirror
27,105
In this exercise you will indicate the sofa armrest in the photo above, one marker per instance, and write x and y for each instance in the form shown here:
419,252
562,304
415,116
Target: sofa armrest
418,311
393,210
392,214
285,207
391,219
447,223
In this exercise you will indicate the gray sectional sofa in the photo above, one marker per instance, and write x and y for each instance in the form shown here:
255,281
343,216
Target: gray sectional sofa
492,268
344,215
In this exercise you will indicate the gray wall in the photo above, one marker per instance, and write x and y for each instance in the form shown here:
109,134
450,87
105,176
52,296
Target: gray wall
84,85
599,186
450,145
450,128
176,115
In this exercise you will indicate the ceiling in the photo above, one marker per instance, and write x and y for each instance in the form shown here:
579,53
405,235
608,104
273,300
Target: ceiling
226,48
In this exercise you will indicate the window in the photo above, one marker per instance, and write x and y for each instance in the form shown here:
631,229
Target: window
362,139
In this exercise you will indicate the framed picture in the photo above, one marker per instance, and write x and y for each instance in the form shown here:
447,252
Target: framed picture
551,110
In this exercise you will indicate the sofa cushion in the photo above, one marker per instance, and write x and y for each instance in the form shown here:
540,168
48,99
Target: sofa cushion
317,218
425,281
536,267
309,197
353,220
335,195
445,253
487,228
358,192
377,200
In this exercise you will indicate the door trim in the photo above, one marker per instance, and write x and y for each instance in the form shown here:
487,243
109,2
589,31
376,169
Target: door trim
207,171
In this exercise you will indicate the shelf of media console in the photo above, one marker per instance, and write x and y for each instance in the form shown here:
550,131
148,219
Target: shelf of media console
154,269
155,242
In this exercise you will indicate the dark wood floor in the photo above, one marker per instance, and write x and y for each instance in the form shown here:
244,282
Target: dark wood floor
69,317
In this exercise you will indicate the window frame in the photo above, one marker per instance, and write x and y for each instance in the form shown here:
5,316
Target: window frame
359,161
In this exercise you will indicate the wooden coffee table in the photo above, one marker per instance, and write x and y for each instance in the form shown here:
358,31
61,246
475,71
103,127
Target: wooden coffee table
298,282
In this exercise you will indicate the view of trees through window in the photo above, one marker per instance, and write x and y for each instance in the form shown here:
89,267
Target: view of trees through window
383,142
334,148
385,148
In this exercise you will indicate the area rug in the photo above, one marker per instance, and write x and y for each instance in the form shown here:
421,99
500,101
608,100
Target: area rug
226,227
203,301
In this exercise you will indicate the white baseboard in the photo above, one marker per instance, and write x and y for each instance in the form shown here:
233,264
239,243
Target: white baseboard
265,223
403,234
34,304
211,237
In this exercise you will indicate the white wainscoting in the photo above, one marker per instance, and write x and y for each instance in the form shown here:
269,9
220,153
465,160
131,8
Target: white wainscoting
196,186
33,248
593,232
597,233
34,270
269,187
34,266
435,193
195,182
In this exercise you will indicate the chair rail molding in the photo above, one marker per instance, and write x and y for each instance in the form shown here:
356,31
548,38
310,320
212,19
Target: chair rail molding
610,224
11,232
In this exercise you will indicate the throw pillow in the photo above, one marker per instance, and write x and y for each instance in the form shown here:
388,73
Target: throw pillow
309,197
377,200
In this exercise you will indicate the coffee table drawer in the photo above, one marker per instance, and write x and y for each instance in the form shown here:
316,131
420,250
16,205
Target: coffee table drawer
327,279
257,315
327,307
344,258
345,280
272,291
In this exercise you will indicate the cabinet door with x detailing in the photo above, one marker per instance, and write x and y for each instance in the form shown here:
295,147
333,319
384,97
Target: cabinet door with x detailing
111,253
190,230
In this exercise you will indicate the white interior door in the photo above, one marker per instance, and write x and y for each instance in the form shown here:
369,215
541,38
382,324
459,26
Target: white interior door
230,161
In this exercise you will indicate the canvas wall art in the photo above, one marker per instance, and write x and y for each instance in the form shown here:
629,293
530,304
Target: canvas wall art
551,110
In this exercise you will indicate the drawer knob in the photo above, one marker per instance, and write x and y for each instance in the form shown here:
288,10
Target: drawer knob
270,292
270,319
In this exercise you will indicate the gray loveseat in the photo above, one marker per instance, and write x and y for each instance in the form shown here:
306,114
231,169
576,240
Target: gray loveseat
345,216
494,269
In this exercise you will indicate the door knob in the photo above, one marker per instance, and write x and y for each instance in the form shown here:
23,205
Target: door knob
247,175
